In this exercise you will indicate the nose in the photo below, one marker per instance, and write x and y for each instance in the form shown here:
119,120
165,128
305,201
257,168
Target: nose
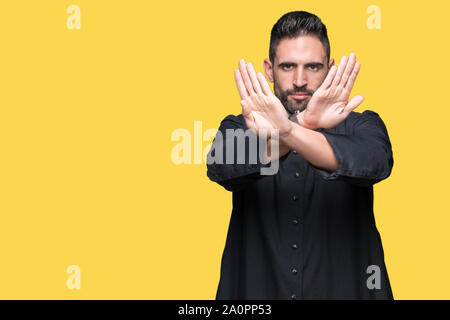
300,78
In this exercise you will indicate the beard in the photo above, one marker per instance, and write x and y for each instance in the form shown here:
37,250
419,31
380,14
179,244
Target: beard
290,104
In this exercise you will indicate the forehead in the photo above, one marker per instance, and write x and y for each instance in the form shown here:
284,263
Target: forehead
302,49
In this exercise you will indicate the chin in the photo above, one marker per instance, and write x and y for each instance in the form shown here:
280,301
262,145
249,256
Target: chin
297,108
293,105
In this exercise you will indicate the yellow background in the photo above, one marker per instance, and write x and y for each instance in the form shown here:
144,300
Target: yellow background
86,117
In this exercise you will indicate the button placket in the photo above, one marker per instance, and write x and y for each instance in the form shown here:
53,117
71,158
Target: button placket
296,203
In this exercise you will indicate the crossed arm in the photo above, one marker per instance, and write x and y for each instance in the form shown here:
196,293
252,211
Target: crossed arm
328,107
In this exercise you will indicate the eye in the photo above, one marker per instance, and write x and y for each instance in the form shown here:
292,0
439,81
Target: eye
287,67
313,67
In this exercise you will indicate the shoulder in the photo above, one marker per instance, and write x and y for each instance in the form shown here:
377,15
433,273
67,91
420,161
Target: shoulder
367,121
233,121
355,121
367,116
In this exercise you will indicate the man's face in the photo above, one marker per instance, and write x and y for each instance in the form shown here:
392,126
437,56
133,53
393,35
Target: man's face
300,66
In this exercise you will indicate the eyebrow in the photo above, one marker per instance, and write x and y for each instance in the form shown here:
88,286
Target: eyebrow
287,63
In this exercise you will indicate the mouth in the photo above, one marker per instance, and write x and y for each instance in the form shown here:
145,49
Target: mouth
299,96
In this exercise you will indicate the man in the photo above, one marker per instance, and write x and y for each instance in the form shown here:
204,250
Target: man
307,231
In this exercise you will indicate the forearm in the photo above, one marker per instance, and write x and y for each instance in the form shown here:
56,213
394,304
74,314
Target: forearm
311,145
230,165
283,148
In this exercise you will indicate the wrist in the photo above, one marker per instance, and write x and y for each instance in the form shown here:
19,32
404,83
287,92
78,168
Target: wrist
275,145
287,132
286,137
303,123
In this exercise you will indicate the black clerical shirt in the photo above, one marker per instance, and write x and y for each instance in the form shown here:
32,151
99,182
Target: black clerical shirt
304,232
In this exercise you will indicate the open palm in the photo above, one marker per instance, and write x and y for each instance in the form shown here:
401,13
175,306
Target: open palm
329,105
261,109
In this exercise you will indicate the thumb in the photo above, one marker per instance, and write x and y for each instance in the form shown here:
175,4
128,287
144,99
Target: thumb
354,102
246,109
248,116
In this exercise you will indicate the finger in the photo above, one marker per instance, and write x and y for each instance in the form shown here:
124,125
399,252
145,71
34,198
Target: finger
351,80
240,84
264,84
247,114
261,122
353,103
246,109
253,79
348,69
340,71
330,76
245,77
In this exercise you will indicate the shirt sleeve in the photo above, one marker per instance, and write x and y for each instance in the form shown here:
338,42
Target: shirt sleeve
234,175
364,154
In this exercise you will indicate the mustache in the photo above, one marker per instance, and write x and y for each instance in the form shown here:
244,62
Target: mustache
300,90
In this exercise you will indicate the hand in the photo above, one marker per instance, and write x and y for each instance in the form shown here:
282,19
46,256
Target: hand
261,109
283,149
329,105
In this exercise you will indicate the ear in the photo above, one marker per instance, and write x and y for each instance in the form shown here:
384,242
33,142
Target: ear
268,70
330,64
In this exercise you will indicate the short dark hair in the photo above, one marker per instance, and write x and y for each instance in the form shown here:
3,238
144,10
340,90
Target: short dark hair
298,23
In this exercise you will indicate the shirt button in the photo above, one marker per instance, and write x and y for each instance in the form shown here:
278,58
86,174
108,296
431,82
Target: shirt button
295,221
297,174
294,271
294,246
295,197
293,297
294,152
